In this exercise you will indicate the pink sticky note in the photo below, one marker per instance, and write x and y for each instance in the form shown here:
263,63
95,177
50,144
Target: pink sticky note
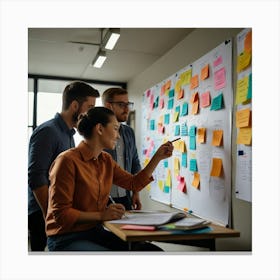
148,92
161,103
218,61
182,185
220,78
152,102
205,99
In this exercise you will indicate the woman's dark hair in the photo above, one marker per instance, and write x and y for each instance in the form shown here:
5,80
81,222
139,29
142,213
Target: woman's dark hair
93,117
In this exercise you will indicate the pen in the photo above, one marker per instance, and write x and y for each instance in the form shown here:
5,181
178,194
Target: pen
175,140
113,201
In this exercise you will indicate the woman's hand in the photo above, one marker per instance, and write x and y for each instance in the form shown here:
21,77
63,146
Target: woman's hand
164,151
113,212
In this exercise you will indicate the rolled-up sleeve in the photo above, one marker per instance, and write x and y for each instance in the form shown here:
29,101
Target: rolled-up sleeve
61,192
41,150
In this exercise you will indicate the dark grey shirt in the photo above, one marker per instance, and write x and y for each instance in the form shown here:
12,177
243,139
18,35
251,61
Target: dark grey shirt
46,143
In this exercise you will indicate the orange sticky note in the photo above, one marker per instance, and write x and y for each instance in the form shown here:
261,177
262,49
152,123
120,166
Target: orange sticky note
178,85
217,139
244,136
194,82
196,180
205,99
201,135
204,74
195,108
180,94
217,167
194,97
243,118
248,42
168,85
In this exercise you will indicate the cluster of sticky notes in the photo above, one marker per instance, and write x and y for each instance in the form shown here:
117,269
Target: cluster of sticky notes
201,135
217,138
220,78
217,103
217,167
192,139
193,165
182,184
196,180
195,103
204,74
205,99
244,89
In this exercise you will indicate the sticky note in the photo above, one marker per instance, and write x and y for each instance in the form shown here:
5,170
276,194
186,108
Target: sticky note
196,180
217,61
194,82
184,160
160,185
165,164
194,97
175,116
161,128
176,166
242,90
201,135
205,99
168,178
204,74
171,93
243,61
243,118
151,101
182,146
182,184
184,129
152,124
166,189
192,131
193,165
161,103
220,78
249,94
177,130
178,85
186,77
217,167
184,111
166,119
148,92
244,136
177,109
170,103
192,143
217,103
248,42
156,102
195,107
180,94
160,119
168,85
217,138
146,161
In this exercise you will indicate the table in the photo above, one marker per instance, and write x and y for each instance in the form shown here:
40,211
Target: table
206,239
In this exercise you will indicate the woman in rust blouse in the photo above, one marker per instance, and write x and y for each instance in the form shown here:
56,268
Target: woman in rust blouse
80,182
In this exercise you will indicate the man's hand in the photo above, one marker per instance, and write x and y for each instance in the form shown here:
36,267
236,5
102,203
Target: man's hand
136,203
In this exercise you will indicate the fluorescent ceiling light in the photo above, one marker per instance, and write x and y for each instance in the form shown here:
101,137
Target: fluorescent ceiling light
111,38
99,59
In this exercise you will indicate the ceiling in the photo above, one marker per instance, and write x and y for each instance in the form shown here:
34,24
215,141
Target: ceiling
50,51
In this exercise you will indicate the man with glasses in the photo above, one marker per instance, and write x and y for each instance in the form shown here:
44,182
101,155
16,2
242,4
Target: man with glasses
125,152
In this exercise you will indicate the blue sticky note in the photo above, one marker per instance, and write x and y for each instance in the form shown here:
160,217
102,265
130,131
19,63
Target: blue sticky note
177,130
192,143
152,124
249,94
217,103
156,102
165,163
184,129
170,103
166,189
171,93
184,109
184,159
193,166
177,109
192,131
166,119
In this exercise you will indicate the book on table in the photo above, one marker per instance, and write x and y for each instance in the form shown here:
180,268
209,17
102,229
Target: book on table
186,224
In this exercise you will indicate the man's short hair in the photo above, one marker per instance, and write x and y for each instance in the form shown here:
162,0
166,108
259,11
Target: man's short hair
109,94
78,91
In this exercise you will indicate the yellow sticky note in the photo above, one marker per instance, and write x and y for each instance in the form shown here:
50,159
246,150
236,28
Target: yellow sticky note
168,178
186,77
242,90
175,116
178,86
146,161
196,180
176,166
244,136
182,146
243,61
217,167
160,120
160,185
217,139
243,118
195,108
204,74
201,135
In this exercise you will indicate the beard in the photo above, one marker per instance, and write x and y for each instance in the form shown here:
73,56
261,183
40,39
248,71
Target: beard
75,116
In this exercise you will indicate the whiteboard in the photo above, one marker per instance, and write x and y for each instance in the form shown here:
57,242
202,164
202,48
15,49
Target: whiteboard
193,85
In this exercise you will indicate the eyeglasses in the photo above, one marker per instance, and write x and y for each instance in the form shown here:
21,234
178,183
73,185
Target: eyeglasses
124,105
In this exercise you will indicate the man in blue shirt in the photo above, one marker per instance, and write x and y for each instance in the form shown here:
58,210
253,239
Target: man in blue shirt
125,153
47,141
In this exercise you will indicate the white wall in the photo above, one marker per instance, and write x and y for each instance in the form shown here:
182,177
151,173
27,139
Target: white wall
195,45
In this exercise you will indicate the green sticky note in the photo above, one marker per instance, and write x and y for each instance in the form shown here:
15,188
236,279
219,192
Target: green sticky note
184,109
171,93
152,124
165,163
166,119
192,131
170,103
249,94
177,109
156,102
177,130
166,189
184,159
192,143
193,165
217,103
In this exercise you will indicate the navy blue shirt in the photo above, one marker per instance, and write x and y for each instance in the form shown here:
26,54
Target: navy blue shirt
47,141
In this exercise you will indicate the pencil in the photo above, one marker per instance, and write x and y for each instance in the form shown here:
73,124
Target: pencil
175,140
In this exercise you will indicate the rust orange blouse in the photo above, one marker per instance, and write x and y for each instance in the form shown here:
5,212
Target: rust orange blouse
79,182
